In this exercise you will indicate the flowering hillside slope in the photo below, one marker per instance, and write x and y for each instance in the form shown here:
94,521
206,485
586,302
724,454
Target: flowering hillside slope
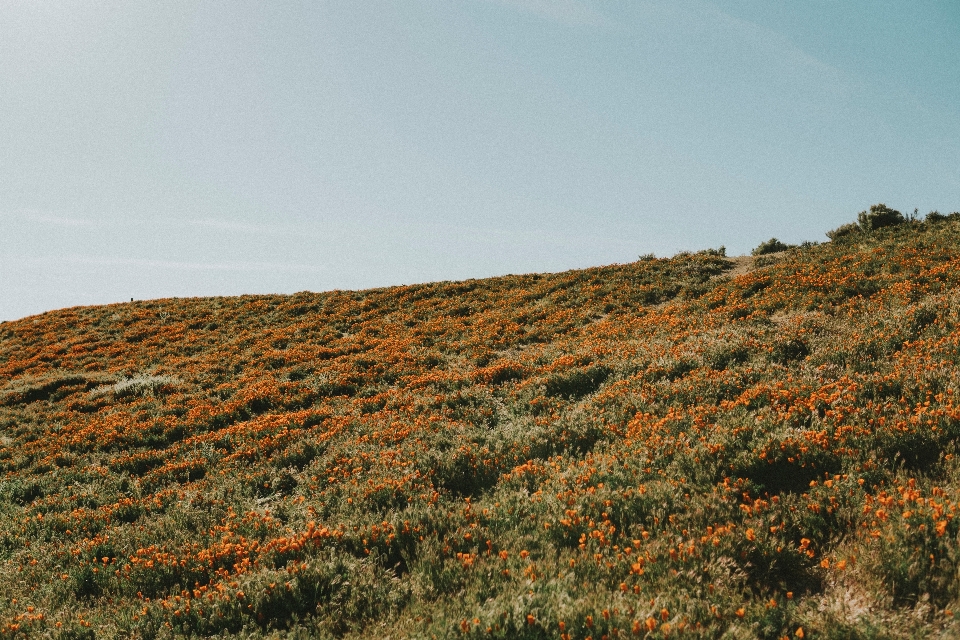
654,449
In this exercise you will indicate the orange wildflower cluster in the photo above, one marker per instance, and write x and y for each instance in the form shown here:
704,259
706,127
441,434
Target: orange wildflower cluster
650,450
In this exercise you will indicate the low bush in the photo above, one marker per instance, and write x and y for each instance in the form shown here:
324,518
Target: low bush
770,246
844,231
878,217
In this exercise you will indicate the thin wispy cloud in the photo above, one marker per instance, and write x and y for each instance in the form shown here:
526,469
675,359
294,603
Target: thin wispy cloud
807,67
52,219
776,44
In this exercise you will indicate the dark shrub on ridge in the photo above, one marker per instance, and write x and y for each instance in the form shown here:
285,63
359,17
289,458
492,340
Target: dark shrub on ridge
879,216
843,231
770,246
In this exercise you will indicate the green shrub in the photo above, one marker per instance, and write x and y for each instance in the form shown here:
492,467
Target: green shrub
786,351
578,382
20,491
844,230
76,632
770,246
879,216
765,261
721,252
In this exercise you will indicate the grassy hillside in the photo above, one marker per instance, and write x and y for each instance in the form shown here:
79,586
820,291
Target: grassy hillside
656,449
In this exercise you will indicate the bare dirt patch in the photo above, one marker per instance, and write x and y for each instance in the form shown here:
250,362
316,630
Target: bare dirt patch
741,265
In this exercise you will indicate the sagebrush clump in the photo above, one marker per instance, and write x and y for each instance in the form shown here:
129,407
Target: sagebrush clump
771,246
879,216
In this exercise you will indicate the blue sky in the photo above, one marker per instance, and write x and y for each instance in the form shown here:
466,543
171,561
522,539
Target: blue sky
221,148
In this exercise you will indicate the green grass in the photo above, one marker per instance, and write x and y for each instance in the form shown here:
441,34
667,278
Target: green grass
656,449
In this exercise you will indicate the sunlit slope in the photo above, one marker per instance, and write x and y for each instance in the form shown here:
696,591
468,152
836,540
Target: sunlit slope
647,449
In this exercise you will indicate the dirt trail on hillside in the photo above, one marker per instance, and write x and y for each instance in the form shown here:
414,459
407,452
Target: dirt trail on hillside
746,264
741,265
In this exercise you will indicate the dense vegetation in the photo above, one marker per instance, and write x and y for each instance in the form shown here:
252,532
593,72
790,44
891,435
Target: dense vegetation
656,449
